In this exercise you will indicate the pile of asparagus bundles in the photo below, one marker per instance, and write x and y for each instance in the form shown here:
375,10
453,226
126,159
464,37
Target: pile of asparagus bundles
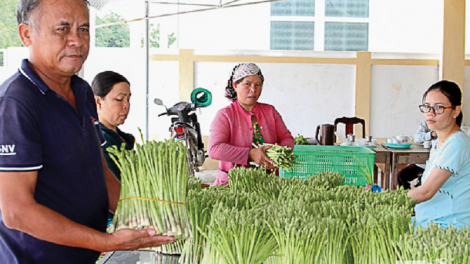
154,179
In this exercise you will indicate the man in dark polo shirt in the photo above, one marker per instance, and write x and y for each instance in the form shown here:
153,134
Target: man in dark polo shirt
55,188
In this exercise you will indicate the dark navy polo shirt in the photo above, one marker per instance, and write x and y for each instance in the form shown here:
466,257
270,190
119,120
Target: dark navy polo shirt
41,131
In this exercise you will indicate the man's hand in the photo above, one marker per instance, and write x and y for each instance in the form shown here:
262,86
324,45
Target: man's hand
130,239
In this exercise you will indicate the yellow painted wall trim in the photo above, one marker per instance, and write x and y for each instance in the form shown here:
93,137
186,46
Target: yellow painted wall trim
453,51
363,80
291,59
419,62
164,57
186,74
274,59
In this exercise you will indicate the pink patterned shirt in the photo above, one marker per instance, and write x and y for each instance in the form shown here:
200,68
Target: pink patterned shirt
231,135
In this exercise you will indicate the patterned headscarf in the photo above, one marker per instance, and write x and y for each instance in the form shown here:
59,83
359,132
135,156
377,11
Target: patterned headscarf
241,71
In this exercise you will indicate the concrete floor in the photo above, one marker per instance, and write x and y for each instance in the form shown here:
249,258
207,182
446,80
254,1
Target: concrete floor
207,176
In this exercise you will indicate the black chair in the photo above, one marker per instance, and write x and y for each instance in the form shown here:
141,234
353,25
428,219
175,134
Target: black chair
349,123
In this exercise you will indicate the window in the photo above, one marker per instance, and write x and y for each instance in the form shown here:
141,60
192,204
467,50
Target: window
293,8
347,8
292,35
321,25
341,36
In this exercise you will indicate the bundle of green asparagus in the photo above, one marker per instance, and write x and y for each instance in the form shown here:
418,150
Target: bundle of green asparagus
238,237
304,237
283,156
194,186
301,140
434,245
248,179
200,207
154,179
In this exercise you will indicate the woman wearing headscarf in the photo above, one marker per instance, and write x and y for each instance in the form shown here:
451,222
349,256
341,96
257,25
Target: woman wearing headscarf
239,128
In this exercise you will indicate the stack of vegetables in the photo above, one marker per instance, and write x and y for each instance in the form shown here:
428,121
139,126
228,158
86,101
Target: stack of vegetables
194,186
435,245
301,140
239,235
154,179
262,218
303,237
318,220
200,206
282,156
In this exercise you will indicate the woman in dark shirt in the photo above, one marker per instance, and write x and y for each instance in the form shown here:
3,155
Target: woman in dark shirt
112,95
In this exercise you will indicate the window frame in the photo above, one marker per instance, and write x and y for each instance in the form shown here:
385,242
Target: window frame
319,21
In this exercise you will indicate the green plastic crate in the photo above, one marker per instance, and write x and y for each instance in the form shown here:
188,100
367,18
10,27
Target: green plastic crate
314,159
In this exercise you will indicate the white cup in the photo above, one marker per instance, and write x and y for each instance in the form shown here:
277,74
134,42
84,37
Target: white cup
427,144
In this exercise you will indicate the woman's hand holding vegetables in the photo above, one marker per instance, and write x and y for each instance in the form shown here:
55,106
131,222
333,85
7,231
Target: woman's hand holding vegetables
131,239
258,155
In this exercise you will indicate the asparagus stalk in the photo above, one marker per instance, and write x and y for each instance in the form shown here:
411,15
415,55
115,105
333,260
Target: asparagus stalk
153,188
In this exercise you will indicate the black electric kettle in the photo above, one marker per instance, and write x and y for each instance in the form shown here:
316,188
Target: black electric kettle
326,132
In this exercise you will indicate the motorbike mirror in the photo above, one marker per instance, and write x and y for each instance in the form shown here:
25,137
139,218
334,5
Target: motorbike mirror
158,101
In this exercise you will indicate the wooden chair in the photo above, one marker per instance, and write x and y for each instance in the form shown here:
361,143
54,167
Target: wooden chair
349,123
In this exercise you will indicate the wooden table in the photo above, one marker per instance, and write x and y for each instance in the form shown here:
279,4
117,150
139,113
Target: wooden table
416,154
383,160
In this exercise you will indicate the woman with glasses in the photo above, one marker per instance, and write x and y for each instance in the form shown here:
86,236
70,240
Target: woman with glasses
245,123
444,195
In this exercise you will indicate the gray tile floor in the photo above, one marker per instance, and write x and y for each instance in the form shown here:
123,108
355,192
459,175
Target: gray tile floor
207,176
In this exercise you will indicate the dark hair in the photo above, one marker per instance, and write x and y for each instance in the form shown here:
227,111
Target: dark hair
229,90
27,7
104,81
450,90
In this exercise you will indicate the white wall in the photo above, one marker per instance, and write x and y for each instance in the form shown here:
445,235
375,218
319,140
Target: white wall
163,83
241,28
14,56
306,95
395,96
406,26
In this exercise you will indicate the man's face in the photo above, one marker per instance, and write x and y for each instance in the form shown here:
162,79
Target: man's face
60,38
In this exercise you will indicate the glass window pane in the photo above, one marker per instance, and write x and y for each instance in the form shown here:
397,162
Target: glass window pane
347,8
293,8
343,36
292,35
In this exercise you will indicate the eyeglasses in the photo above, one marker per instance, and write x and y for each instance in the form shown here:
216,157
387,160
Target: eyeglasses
437,109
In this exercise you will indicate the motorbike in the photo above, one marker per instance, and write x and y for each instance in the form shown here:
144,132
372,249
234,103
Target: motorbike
186,128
